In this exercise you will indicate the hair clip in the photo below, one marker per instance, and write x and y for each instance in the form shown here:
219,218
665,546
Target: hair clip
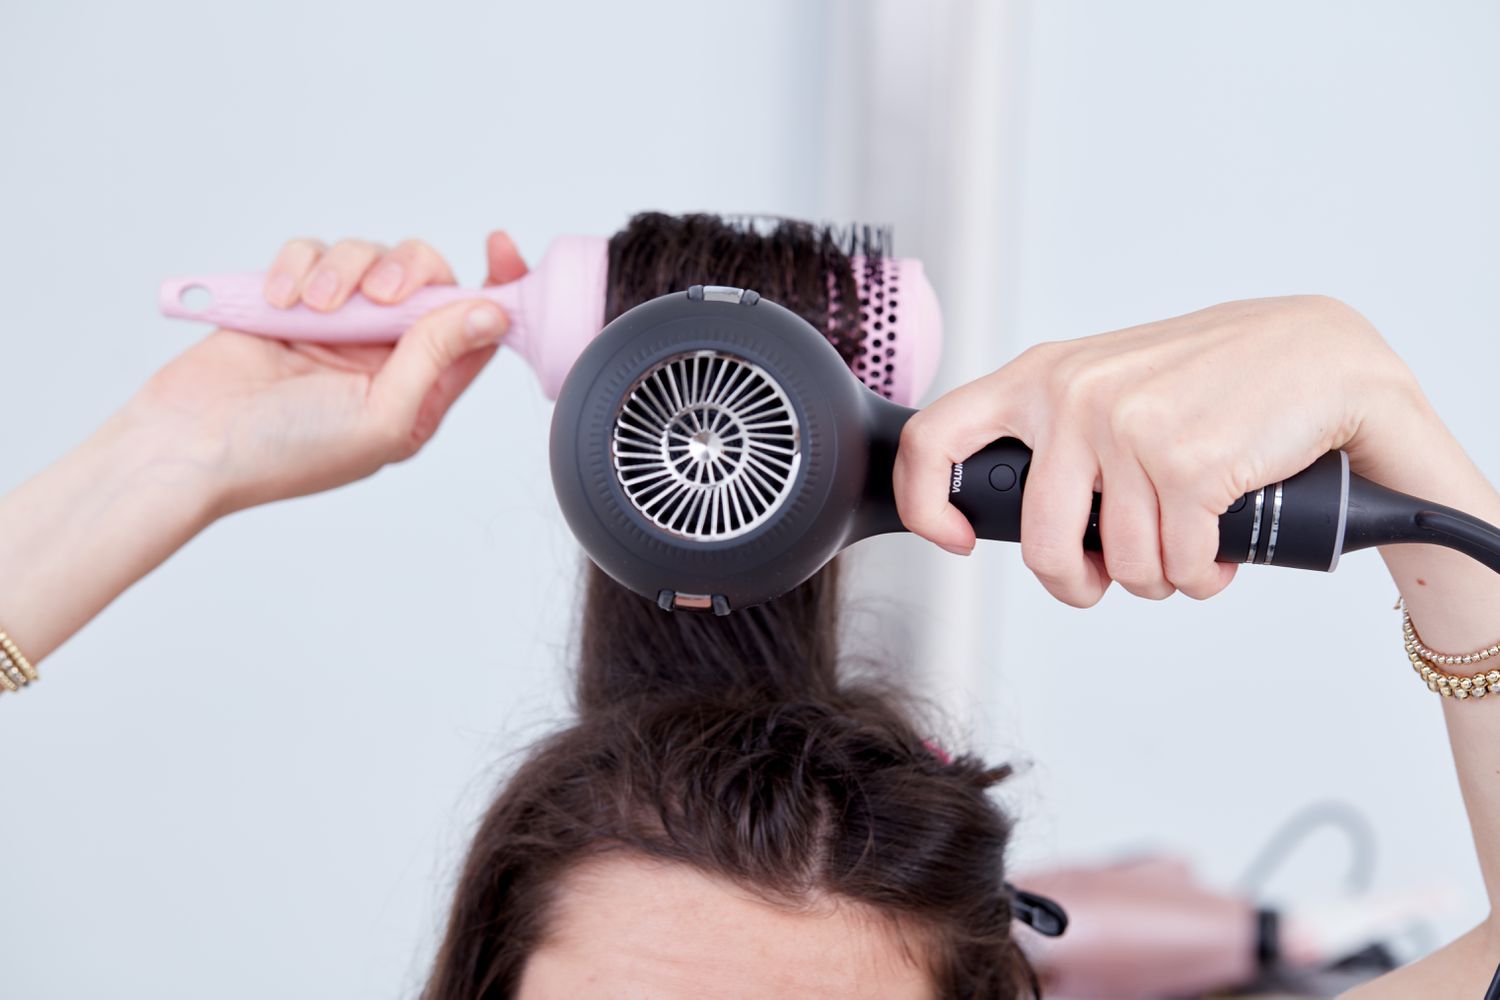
936,749
1041,914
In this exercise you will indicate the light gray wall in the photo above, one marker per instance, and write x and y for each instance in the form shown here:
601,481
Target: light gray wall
255,773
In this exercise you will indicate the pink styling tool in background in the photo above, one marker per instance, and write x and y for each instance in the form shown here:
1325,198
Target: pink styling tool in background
557,308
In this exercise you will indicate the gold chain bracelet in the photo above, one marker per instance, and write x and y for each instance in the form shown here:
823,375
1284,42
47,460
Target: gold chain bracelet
1426,661
15,670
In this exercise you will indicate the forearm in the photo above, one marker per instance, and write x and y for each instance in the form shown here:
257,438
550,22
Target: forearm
73,538
1455,606
236,420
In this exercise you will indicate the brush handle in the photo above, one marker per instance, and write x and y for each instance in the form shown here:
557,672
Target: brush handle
1298,522
237,301
553,311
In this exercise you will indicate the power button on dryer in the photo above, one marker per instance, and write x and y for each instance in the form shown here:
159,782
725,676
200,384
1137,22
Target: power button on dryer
1002,478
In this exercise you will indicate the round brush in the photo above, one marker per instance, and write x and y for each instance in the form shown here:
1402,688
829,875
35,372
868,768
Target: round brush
557,308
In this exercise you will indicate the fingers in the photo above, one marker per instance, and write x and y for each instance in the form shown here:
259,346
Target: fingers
505,263
1189,545
413,264
324,279
433,345
1158,531
924,465
290,269
932,442
307,271
335,277
1054,516
1129,528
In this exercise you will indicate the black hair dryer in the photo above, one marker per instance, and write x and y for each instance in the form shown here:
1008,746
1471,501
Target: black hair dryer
711,451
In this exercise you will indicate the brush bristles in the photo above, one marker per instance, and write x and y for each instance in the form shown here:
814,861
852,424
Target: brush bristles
809,263
854,239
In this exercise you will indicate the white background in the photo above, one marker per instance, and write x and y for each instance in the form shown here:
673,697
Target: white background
256,772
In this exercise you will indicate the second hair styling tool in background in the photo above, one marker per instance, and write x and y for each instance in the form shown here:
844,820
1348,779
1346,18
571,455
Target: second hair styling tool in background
556,309
711,451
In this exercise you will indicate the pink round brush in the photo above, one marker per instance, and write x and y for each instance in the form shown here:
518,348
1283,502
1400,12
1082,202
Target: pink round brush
557,308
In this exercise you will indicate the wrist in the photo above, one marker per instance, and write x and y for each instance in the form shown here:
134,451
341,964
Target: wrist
144,448
86,528
1401,443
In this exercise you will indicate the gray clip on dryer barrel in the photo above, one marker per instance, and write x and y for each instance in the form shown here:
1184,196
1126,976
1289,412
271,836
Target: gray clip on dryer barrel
711,451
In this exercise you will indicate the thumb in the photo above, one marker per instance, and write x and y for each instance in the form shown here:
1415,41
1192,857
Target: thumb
429,348
505,263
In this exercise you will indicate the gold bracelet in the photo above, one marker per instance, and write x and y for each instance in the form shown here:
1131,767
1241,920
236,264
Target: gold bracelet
15,670
1425,662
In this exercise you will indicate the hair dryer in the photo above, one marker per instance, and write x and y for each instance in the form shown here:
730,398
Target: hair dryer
711,451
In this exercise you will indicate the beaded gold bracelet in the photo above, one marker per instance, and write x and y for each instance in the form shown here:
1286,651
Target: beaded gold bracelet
15,670
1426,661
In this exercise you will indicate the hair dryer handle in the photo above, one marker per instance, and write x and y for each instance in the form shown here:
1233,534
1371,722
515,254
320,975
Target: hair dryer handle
1298,522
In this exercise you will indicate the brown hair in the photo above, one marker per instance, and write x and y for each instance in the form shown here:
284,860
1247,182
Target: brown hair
733,745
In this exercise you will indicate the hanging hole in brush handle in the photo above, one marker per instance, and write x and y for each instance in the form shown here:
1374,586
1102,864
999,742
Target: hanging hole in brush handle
1298,522
238,302
195,299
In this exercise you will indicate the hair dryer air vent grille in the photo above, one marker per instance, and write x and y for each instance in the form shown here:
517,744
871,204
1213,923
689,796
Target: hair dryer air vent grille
706,445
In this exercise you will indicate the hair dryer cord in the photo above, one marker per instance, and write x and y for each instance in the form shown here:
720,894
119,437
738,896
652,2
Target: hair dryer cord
1380,516
1469,535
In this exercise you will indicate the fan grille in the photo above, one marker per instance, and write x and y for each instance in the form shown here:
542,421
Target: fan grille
706,445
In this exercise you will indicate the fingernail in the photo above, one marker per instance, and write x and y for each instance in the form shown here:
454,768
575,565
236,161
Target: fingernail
958,550
385,280
321,289
483,325
280,288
